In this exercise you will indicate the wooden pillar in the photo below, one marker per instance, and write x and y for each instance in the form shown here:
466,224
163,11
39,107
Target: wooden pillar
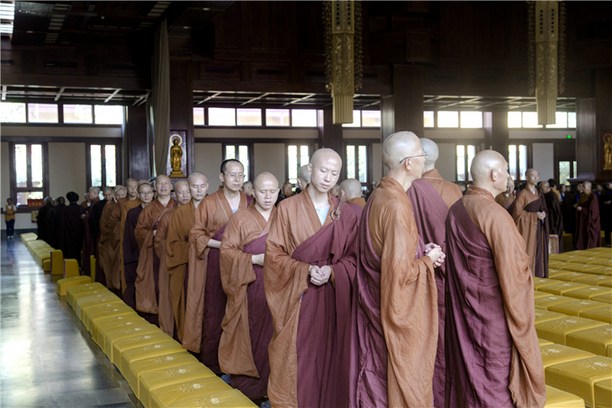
181,107
497,134
403,110
330,135
136,145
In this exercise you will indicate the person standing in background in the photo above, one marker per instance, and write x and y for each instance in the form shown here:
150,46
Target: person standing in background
9,218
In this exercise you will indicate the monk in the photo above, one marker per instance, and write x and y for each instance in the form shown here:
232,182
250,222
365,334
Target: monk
131,250
303,178
205,306
89,249
350,190
588,227
166,319
309,276
431,197
247,325
493,357
530,217
553,209
507,198
108,244
130,202
72,228
147,272
178,251
397,316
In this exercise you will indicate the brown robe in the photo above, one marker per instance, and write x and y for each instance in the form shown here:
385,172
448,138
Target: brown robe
312,355
164,305
493,357
211,215
398,311
450,192
359,201
177,257
588,226
127,206
506,201
533,231
147,273
243,284
108,244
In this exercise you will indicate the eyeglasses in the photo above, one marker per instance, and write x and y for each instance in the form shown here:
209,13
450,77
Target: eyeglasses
412,157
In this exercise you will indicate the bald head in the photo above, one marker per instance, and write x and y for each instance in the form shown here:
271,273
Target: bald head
198,186
181,190
325,166
351,188
303,176
265,191
163,186
431,150
120,191
398,146
132,188
489,171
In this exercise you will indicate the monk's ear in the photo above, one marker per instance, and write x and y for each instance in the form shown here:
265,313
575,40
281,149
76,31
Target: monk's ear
493,175
222,178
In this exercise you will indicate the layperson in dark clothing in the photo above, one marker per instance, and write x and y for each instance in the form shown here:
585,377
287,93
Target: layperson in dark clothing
72,228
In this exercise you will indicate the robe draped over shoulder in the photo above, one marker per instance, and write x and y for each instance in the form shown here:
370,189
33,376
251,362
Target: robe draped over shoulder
493,357
397,315
312,361
164,305
131,253
211,215
533,230
450,192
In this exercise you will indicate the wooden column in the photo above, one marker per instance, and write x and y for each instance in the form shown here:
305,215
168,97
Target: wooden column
181,106
330,135
135,139
497,134
404,109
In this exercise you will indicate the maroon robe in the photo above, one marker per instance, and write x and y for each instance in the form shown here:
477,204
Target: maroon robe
72,232
588,225
131,253
534,231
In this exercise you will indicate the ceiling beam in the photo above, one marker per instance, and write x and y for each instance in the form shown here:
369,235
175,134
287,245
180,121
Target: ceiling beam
209,98
111,96
255,99
59,93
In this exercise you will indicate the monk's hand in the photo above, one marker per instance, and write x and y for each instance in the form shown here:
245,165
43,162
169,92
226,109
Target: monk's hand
213,243
258,259
317,277
434,251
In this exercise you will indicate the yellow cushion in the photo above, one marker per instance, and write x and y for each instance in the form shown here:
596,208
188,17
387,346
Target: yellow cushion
558,353
100,311
101,326
226,399
542,342
81,302
152,380
595,340
71,268
28,236
603,313
579,377
156,363
567,276
174,395
595,280
542,315
117,333
159,348
57,262
575,307
64,284
538,294
547,301
555,398
563,287
46,265
557,330
604,297
539,283
603,393
77,292
589,292
127,343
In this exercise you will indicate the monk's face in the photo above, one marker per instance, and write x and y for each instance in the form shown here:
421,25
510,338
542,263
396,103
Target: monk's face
93,194
121,193
532,177
248,189
325,172
163,186
266,193
233,177
182,193
198,188
108,195
145,193
132,189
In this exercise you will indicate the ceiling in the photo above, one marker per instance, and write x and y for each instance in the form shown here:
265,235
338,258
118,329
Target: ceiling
77,23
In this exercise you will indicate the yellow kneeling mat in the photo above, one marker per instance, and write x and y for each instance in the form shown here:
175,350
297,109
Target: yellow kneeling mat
547,301
101,326
603,297
603,314
542,342
589,292
103,310
563,287
558,353
542,315
65,283
102,297
595,280
150,381
121,346
77,291
574,307
567,276
159,348
579,377
156,363
603,393
537,294
112,335
174,395
555,398
539,283
596,340
557,330
227,399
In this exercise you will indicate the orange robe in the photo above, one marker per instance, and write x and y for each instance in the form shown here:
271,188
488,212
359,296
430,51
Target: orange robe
177,257
126,206
211,215
398,311
450,192
533,231
360,201
505,200
164,306
148,263
237,347
108,251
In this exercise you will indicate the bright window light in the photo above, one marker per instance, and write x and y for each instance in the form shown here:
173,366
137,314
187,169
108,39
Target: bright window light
12,112
370,118
515,119
471,120
109,114
198,116
304,117
78,114
222,116
448,119
277,117
428,119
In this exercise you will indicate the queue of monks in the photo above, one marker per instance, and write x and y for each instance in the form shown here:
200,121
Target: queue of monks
422,296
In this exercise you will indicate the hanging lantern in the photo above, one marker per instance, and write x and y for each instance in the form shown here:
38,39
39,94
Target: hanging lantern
546,41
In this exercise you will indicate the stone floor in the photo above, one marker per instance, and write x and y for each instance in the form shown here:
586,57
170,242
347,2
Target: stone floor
47,358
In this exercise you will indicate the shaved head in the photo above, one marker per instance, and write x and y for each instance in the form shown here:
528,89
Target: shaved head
265,191
325,166
431,150
489,170
198,186
181,190
351,188
398,146
120,191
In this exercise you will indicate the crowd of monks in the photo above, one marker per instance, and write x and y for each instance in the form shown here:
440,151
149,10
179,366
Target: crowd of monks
420,296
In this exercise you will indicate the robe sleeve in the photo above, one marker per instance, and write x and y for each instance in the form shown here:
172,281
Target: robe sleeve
199,235
143,226
177,241
159,240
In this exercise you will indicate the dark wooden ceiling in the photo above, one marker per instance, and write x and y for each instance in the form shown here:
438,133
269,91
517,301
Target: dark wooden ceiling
271,54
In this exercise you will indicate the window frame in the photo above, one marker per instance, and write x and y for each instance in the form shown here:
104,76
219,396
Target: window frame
13,173
118,167
249,176
311,149
369,168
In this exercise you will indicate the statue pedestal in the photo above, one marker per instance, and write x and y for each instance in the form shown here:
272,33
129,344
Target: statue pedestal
177,174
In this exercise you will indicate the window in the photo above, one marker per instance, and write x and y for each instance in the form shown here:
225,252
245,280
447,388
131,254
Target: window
78,114
29,175
515,119
567,170
357,162
297,156
12,112
277,117
356,120
563,120
248,117
239,152
198,117
471,120
102,165
448,119
42,113
109,114
222,117
465,155
517,161
428,119
370,118
304,117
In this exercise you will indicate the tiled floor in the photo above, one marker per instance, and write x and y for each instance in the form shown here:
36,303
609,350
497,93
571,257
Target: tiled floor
47,358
